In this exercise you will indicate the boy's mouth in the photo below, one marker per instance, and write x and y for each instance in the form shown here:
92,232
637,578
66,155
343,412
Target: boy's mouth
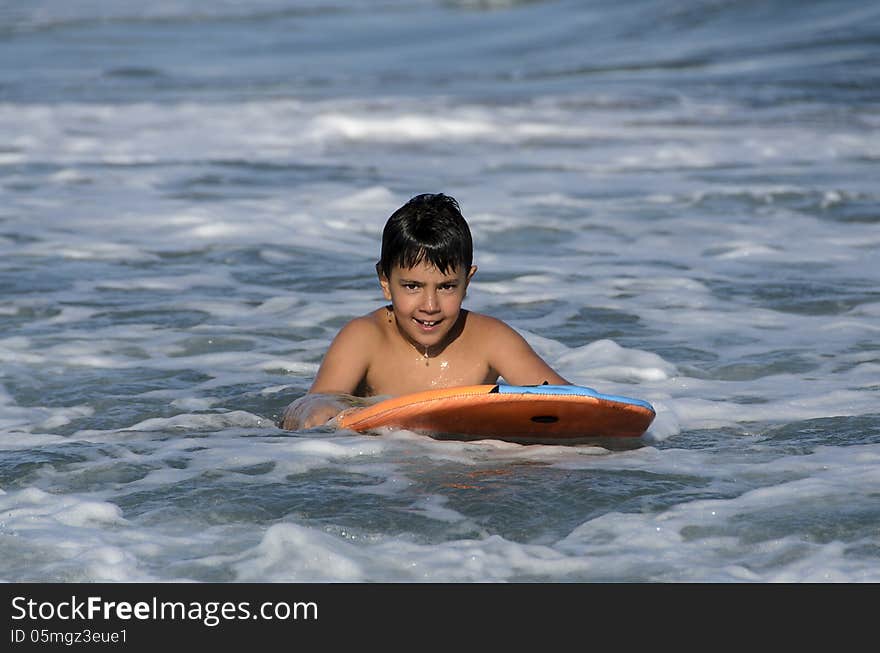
426,324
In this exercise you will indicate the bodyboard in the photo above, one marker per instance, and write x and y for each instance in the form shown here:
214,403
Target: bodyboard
542,413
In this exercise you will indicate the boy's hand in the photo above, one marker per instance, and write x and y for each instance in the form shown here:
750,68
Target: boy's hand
313,410
320,417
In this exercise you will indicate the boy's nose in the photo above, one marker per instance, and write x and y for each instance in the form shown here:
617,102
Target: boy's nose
430,303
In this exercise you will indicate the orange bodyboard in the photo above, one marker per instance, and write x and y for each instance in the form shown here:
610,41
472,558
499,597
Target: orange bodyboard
516,413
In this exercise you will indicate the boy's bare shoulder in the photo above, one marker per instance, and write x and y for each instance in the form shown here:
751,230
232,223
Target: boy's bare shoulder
487,325
490,332
349,356
496,337
366,327
509,354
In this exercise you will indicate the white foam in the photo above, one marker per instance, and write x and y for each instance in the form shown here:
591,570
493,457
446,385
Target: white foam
15,420
32,508
704,533
434,506
605,359
201,422
292,553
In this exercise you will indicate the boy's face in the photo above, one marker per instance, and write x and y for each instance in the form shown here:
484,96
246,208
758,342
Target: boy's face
425,301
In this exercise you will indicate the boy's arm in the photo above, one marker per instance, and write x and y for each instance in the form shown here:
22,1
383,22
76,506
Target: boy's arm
347,359
341,372
515,360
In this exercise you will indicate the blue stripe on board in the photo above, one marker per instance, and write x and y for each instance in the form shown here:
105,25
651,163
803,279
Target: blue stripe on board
578,390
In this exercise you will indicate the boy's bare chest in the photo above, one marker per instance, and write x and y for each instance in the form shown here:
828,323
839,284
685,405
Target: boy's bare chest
395,371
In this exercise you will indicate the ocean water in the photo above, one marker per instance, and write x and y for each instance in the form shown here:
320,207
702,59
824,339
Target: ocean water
672,200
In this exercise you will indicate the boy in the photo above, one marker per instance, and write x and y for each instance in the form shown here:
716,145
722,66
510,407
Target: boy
422,339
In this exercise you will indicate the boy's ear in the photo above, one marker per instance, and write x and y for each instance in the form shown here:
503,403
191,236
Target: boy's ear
384,282
468,278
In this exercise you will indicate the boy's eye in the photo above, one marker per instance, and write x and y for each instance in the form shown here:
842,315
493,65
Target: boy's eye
445,287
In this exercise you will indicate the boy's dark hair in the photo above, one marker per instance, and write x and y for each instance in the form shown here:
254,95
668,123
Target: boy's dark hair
427,229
